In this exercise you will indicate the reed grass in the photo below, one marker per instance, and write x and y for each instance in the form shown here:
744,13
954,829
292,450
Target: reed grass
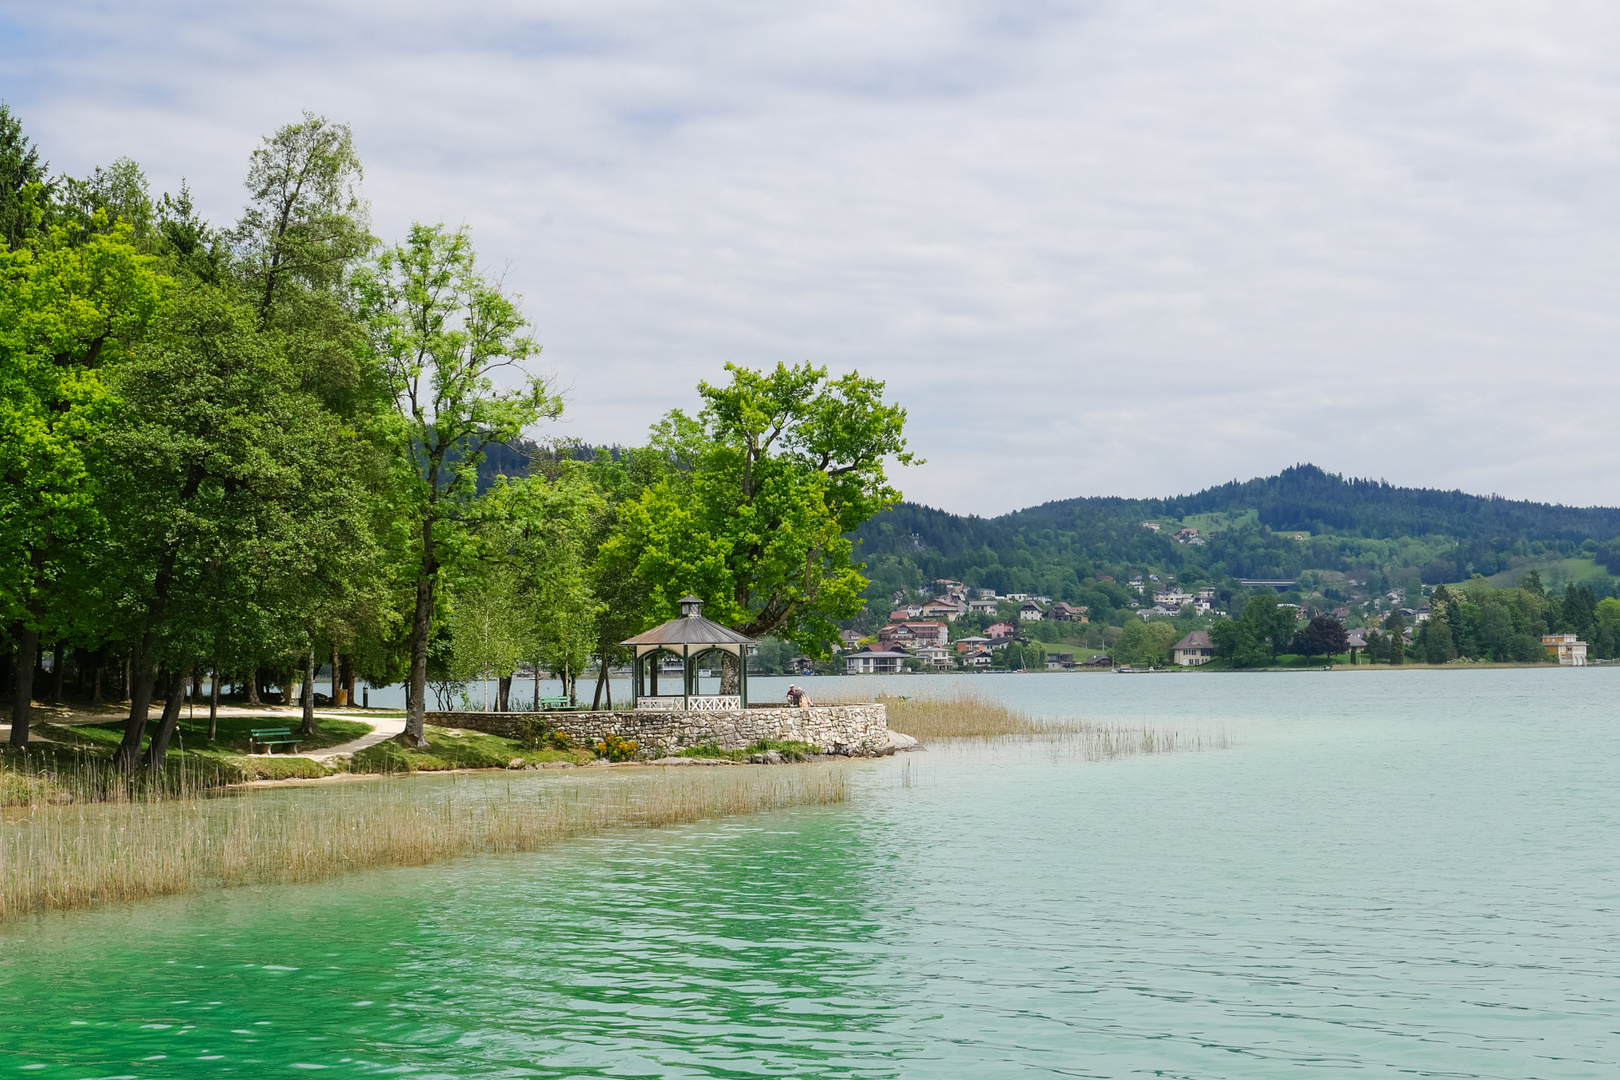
964,713
60,857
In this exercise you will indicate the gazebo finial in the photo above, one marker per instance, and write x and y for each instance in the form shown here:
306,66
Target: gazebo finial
692,606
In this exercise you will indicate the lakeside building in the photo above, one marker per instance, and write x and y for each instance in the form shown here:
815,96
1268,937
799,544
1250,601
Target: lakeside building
1570,650
1194,649
934,656
869,661
1064,612
971,644
1059,661
914,633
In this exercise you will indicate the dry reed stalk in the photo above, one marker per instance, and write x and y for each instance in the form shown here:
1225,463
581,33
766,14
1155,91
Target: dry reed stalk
58,857
967,714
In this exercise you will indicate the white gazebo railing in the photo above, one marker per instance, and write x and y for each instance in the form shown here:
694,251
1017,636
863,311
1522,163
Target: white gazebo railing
714,702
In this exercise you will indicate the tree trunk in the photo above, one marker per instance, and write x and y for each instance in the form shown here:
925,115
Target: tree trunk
213,705
503,694
307,698
601,682
129,676
536,705
415,733
253,688
22,688
95,677
730,674
176,696
337,675
58,671
143,673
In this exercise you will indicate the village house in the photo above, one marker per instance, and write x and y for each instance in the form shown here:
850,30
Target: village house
1030,612
997,631
1063,612
970,644
1570,650
978,658
1194,649
982,606
914,633
949,610
870,661
1059,661
1173,599
1153,525
934,656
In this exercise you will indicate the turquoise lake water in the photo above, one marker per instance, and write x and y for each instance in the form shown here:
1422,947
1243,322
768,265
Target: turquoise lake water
1406,874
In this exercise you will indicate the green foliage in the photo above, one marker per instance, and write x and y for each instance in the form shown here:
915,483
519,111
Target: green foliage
791,750
1147,643
770,476
615,748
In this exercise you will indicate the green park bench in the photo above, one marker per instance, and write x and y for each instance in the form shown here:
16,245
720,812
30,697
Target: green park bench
268,737
553,703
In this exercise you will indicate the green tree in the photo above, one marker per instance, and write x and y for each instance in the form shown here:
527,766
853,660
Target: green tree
443,333
1269,622
231,483
67,313
772,475
1396,625
24,181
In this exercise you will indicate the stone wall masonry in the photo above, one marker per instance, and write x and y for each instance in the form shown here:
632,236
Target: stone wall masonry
837,729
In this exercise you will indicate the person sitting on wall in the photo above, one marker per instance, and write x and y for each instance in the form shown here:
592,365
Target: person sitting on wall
795,696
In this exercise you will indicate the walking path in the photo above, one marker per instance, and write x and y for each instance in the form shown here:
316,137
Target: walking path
382,728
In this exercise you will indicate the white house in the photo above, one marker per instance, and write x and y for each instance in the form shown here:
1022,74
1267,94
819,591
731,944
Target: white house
871,661
1031,612
982,607
1194,649
1569,649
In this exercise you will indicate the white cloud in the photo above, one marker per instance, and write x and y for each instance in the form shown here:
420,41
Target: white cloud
1096,248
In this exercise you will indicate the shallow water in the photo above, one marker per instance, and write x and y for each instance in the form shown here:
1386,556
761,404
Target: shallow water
1389,873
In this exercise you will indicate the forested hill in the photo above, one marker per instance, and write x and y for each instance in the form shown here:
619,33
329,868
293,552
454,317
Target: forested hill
1279,526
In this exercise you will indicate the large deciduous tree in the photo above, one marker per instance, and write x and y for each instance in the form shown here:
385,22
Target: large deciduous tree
445,335
772,474
67,312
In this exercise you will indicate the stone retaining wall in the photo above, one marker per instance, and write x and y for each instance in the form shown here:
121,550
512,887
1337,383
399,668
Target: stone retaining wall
835,729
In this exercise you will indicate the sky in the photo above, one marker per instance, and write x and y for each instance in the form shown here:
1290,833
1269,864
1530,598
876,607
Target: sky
1095,248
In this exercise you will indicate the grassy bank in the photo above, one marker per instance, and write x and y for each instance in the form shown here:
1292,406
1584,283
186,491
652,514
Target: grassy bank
968,714
55,857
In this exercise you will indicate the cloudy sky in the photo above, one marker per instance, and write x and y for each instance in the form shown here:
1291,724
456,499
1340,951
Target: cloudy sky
1102,247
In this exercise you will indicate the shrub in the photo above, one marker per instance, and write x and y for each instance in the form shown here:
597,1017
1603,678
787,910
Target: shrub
614,748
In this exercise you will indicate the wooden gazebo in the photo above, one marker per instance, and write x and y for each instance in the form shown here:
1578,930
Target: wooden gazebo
690,638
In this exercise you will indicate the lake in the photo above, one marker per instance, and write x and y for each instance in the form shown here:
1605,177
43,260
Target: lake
1390,873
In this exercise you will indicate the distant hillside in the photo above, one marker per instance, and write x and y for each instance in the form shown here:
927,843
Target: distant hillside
1300,521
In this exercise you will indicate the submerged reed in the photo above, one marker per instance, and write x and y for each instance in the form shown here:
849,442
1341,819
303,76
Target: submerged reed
966,714
57,857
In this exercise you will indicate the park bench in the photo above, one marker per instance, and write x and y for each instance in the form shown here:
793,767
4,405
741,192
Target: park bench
553,703
268,737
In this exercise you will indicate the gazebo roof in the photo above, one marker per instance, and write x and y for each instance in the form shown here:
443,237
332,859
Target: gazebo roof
690,629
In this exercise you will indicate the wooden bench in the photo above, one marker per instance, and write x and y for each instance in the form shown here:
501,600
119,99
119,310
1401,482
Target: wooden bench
268,737
553,703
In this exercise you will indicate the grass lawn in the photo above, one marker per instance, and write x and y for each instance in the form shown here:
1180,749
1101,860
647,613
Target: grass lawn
1555,573
468,750
232,733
